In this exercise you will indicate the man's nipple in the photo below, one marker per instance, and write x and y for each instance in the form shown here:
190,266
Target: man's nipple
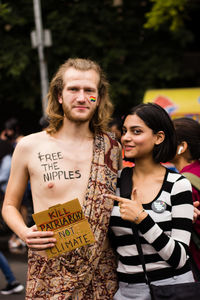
50,185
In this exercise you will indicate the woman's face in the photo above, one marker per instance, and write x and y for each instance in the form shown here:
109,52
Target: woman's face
138,139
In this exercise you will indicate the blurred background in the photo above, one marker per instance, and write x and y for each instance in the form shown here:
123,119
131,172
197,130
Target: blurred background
141,45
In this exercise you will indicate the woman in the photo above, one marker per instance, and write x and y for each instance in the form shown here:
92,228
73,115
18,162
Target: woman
187,162
160,206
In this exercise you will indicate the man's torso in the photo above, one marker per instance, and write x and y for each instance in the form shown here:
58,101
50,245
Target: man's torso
59,170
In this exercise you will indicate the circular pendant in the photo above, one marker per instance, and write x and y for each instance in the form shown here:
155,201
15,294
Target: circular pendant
159,206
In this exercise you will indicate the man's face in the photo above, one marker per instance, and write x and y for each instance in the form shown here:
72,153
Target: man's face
79,97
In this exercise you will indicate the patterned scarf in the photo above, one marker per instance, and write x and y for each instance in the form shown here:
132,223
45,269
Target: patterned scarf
88,272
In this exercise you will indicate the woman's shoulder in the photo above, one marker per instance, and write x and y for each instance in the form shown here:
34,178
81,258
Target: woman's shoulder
127,171
173,176
179,182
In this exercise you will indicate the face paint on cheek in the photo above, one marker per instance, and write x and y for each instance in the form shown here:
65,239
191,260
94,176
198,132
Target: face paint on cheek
93,99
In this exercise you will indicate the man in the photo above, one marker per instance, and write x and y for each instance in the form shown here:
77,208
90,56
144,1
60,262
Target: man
73,158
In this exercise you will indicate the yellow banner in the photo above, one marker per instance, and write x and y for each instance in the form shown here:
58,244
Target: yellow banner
177,102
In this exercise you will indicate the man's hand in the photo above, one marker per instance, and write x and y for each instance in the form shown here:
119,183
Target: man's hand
196,211
39,240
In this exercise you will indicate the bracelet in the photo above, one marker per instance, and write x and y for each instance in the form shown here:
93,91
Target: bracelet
136,218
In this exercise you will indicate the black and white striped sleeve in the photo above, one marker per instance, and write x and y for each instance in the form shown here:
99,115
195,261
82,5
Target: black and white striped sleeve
173,248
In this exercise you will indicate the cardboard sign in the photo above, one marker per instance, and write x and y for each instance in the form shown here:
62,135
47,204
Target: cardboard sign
71,228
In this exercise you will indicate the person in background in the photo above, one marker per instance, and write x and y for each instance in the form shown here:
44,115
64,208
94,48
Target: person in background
11,131
12,134
187,162
43,122
6,151
13,286
115,127
156,201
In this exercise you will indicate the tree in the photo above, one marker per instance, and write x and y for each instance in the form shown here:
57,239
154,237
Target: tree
170,12
18,79
134,55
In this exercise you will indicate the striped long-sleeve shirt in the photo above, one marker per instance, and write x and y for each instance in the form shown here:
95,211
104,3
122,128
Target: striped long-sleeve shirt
164,236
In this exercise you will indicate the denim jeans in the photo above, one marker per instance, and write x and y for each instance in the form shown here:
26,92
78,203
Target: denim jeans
4,266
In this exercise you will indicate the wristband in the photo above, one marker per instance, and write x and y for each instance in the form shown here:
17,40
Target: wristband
136,218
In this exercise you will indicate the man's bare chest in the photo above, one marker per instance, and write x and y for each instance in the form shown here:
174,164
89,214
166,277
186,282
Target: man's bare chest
57,166
60,173
56,162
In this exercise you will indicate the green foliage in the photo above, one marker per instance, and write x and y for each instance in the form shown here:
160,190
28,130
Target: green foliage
132,53
4,10
170,12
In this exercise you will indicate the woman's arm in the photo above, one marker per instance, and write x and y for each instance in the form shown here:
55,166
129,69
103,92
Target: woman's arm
173,249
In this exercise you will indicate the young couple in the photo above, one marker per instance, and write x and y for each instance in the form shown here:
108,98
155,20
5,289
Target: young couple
76,142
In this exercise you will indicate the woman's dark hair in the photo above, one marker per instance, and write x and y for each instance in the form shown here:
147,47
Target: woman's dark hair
156,118
188,130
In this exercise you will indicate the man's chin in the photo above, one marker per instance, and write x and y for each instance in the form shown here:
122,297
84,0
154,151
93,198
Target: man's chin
78,119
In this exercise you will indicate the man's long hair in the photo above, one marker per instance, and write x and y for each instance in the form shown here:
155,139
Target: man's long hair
55,114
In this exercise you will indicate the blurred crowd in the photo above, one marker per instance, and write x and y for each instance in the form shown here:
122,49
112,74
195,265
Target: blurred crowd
10,135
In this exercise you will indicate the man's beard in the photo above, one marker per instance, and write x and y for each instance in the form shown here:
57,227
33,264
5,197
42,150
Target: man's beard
77,119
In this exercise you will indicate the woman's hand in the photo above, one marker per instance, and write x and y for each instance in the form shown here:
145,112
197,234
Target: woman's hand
38,240
131,210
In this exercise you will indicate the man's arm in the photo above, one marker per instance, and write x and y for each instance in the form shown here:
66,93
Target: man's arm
17,183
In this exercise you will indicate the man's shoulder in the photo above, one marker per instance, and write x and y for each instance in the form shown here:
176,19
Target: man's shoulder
35,135
111,137
32,139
